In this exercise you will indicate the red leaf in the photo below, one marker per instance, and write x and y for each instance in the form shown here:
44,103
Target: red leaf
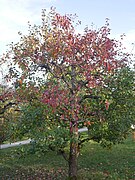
107,104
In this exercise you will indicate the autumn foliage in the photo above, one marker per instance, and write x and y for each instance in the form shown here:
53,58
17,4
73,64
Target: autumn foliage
75,78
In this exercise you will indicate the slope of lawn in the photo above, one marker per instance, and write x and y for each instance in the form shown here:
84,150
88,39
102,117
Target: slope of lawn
95,163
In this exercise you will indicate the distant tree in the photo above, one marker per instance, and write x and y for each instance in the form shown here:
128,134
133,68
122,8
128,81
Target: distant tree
68,80
8,109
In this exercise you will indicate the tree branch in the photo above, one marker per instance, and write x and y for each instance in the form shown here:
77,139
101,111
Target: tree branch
94,138
6,107
83,83
63,153
88,97
83,140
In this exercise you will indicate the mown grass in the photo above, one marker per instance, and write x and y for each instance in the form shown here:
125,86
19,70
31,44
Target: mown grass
95,163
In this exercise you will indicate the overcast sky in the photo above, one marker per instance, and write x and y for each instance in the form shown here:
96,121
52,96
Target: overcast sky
14,15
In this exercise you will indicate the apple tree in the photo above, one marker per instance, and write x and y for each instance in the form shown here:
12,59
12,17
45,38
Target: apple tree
66,80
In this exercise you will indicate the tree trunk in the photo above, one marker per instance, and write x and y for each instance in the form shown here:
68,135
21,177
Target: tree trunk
73,155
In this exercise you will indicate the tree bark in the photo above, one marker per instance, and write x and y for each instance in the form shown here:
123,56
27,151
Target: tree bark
73,155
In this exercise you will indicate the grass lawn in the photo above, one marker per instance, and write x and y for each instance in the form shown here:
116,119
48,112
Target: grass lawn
95,163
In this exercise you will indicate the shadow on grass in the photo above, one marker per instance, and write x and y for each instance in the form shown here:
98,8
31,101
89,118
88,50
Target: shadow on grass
95,163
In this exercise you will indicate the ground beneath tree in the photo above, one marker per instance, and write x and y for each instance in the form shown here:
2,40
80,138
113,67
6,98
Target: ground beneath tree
37,174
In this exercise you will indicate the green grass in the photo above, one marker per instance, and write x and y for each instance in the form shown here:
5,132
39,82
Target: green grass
95,163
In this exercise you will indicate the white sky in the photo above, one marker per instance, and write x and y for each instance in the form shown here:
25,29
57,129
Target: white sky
14,15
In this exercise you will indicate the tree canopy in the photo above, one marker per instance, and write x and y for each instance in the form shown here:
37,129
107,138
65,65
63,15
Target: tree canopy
66,80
